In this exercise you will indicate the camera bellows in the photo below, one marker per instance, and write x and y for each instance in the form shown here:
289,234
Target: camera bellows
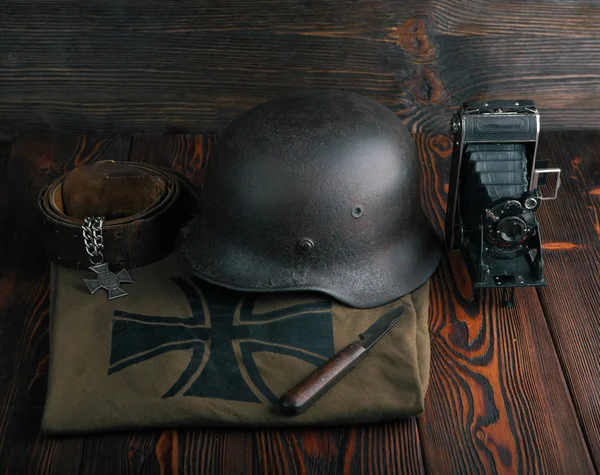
498,166
498,170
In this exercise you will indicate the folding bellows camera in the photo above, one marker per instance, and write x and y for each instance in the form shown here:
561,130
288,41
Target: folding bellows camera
494,193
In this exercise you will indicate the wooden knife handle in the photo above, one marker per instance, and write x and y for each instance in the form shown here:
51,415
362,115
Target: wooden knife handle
318,382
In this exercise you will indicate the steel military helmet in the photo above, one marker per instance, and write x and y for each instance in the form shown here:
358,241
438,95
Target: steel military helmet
315,191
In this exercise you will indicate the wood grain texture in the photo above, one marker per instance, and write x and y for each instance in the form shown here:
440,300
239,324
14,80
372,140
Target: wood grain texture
374,449
571,301
147,67
188,154
496,383
4,152
385,448
24,275
136,453
214,451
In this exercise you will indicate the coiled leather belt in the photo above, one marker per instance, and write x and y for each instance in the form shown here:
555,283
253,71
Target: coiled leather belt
144,208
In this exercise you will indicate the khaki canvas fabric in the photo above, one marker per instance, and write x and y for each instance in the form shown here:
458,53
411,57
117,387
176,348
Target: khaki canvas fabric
180,352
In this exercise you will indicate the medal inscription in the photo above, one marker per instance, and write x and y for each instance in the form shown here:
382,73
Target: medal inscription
108,280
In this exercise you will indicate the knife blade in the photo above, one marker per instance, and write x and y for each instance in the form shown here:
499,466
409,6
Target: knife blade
305,393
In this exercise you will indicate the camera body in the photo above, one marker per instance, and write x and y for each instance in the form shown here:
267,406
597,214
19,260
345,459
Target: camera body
493,193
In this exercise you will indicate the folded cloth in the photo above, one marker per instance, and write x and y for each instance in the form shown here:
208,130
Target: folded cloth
178,351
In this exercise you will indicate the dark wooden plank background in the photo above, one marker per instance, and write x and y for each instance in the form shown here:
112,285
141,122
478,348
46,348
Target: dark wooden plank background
512,390
192,66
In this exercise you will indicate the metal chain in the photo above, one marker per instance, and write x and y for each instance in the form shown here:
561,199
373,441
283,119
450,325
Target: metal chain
92,237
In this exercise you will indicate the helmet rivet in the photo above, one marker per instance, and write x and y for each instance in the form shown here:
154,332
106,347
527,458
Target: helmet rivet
357,211
306,245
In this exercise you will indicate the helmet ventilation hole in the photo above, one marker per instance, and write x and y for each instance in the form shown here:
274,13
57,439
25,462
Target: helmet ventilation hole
357,211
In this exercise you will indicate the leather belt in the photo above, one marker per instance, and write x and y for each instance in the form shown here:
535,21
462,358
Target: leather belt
144,207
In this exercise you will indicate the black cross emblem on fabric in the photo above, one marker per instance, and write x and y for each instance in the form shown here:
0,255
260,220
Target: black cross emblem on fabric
222,318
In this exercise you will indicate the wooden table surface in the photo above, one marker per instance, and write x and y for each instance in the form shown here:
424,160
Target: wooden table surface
512,390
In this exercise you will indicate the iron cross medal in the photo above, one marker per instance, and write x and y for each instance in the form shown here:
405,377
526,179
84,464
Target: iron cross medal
108,281
105,279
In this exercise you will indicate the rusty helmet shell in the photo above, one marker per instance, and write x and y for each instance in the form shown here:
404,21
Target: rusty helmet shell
314,191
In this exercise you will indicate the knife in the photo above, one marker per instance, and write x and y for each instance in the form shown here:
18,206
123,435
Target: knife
301,396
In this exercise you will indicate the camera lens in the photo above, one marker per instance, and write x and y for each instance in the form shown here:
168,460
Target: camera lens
511,229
